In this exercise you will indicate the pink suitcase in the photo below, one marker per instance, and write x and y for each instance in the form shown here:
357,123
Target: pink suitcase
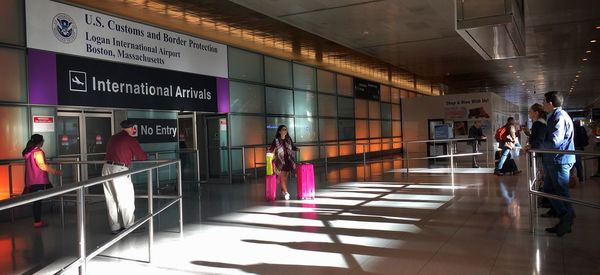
305,181
271,187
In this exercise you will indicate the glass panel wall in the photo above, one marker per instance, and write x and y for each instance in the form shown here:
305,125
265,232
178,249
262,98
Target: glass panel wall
12,70
244,130
279,101
326,82
246,98
245,65
305,78
344,85
278,72
327,105
12,18
345,107
346,129
361,108
305,103
14,138
328,129
306,130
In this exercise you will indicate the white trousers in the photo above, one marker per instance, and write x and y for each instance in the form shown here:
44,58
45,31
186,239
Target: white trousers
120,198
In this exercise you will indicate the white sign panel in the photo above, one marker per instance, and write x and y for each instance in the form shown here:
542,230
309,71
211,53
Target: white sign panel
62,28
43,124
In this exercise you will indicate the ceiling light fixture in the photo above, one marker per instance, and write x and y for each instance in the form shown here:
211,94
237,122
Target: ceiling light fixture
593,41
598,27
576,75
584,59
588,51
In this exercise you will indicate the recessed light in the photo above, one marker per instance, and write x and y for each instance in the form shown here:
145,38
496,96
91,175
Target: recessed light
577,75
584,59
578,72
588,51
510,66
518,76
598,27
575,80
514,72
593,41
523,84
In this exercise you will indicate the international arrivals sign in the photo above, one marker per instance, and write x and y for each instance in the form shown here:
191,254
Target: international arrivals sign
63,28
97,83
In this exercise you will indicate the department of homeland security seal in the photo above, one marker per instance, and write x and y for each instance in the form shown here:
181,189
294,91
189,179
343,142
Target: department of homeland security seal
64,28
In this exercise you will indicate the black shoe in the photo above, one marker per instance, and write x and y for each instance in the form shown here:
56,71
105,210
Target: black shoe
115,232
551,213
498,173
475,166
551,229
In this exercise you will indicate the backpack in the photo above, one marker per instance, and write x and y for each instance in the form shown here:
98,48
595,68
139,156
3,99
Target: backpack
501,134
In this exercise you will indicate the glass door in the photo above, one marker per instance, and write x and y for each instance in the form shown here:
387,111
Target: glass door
218,147
98,130
83,136
187,146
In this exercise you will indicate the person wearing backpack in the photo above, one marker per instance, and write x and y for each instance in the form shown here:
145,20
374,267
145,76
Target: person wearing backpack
581,141
506,136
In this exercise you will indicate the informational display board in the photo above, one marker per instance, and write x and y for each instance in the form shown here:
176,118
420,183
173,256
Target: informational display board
90,82
62,28
366,89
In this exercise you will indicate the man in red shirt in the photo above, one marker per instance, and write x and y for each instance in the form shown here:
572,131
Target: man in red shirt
122,148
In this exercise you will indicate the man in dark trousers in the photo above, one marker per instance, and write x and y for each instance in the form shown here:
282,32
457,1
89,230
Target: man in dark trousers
122,148
581,141
476,133
557,167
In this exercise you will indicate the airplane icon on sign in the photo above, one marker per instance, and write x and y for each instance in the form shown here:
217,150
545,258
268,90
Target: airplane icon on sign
77,81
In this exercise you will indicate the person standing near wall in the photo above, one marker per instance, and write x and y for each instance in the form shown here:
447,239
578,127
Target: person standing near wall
36,174
581,141
122,148
282,147
476,133
508,142
559,136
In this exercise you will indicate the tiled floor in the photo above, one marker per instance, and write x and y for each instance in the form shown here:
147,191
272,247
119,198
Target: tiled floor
389,224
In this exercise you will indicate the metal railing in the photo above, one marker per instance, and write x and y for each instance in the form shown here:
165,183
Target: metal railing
393,145
80,188
532,178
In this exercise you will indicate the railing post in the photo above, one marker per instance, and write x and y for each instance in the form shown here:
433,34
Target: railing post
10,192
451,149
255,167
532,198
180,194
81,230
62,200
157,175
150,211
198,164
243,164
364,162
406,158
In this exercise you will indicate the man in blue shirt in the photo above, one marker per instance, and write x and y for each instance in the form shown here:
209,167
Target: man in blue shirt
559,136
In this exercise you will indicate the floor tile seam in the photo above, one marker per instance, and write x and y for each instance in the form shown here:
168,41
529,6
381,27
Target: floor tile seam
442,245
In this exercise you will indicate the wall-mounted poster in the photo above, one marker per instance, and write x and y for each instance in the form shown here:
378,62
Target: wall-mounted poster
460,129
455,113
478,112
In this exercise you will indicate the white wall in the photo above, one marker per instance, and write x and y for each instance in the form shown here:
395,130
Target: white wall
489,108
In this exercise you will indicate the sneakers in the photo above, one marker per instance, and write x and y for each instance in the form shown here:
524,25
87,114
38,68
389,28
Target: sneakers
40,224
286,196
